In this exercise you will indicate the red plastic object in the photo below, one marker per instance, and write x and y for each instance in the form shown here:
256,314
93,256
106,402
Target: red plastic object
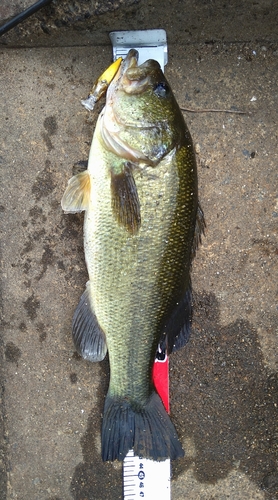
161,380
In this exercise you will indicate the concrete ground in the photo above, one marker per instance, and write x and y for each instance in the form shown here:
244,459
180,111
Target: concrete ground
224,382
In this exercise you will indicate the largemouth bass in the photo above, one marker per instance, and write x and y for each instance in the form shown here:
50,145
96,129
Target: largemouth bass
142,225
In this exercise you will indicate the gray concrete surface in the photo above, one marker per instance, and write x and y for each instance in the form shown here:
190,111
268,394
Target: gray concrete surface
61,12
9,9
224,383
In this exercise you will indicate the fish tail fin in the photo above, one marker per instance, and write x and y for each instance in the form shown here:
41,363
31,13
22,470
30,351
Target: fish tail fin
148,430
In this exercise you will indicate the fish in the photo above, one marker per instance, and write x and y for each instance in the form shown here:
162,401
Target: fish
142,226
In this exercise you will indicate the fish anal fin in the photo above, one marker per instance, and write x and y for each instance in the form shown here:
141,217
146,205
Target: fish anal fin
176,331
77,194
88,337
124,199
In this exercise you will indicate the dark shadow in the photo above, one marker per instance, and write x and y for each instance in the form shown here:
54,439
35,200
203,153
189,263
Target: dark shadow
94,479
221,396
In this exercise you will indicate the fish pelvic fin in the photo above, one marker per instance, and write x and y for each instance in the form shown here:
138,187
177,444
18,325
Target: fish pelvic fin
88,337
77,194
124,199
148,430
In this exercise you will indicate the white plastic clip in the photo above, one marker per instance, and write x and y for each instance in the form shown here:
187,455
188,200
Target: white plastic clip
151,44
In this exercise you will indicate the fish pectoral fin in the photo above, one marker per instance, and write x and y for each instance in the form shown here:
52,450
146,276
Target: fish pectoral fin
124,199
77,195
88,337
177,329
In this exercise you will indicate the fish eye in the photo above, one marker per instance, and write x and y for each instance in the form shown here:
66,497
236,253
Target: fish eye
161,89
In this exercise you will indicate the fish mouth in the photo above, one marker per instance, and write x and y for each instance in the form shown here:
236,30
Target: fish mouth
131,79
130,61
136,79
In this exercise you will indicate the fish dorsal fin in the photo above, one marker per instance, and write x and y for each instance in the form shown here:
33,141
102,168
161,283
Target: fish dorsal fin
199,229
176,331
77,194
125,200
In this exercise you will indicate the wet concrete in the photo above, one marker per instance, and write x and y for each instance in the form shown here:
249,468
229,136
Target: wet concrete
224,382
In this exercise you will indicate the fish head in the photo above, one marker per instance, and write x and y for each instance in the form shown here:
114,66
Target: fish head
142,109
140,88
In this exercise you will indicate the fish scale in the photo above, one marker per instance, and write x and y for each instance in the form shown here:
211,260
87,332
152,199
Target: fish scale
133,257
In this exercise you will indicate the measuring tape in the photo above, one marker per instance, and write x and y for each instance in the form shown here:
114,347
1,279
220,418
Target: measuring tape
142,477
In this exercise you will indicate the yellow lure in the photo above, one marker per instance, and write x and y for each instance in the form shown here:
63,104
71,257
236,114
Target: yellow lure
101,84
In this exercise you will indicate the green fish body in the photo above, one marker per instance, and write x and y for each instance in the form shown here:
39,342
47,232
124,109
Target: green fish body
142,224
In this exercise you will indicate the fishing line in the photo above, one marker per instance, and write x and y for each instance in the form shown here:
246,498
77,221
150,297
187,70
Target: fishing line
23,15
